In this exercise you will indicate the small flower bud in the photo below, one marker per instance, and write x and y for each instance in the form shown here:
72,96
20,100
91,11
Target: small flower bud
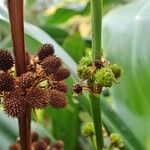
6,82
116,69
6,60
77,88
104,77
45,51
87,129
83,72
57,99
61,74
51,64
98,64
116,140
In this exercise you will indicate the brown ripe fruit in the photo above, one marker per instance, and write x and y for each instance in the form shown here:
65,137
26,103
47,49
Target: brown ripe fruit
58,145
34,137
61,74
77,88
51,64
14,103
98,64
59,85
26,80
46,140
37,98
45,51
6,82
14,147
6,60
57,99
39,145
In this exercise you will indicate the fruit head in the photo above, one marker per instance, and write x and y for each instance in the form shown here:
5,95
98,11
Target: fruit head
104,77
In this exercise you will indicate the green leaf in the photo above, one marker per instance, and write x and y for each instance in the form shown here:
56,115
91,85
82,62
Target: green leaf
129,26
75,46
63,14
115,124
57,33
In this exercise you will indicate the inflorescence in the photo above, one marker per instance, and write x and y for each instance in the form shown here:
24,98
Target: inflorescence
42,85
40,143
96,74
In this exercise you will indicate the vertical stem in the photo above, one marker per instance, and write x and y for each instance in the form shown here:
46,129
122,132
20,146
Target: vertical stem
96,23
96,113
15,8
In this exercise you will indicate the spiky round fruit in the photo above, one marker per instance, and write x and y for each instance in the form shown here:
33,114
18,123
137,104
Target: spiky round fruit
46,140
14,104
6,82
45,51
6,60
83,72
51,64
58,145
39,145
34,137
104,77
37,98
116,69
59,85
61,74
26,80
87,129
77,88
57,99
14,147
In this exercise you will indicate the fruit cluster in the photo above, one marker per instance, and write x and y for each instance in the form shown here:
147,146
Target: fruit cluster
40,143
96,74
42,85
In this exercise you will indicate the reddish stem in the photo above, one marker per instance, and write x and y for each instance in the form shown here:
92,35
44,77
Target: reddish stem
16,15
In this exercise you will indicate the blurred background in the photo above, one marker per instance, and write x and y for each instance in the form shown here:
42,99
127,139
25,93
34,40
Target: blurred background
125,40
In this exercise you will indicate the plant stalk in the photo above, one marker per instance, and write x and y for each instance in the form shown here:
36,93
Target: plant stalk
96,113
96,24
16,15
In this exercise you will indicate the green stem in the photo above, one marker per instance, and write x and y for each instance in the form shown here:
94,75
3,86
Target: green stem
93,142
96,113
96,22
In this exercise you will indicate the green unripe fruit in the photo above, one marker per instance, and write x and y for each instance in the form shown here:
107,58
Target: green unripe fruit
87,129
116,69
104,77
116,140
83,72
